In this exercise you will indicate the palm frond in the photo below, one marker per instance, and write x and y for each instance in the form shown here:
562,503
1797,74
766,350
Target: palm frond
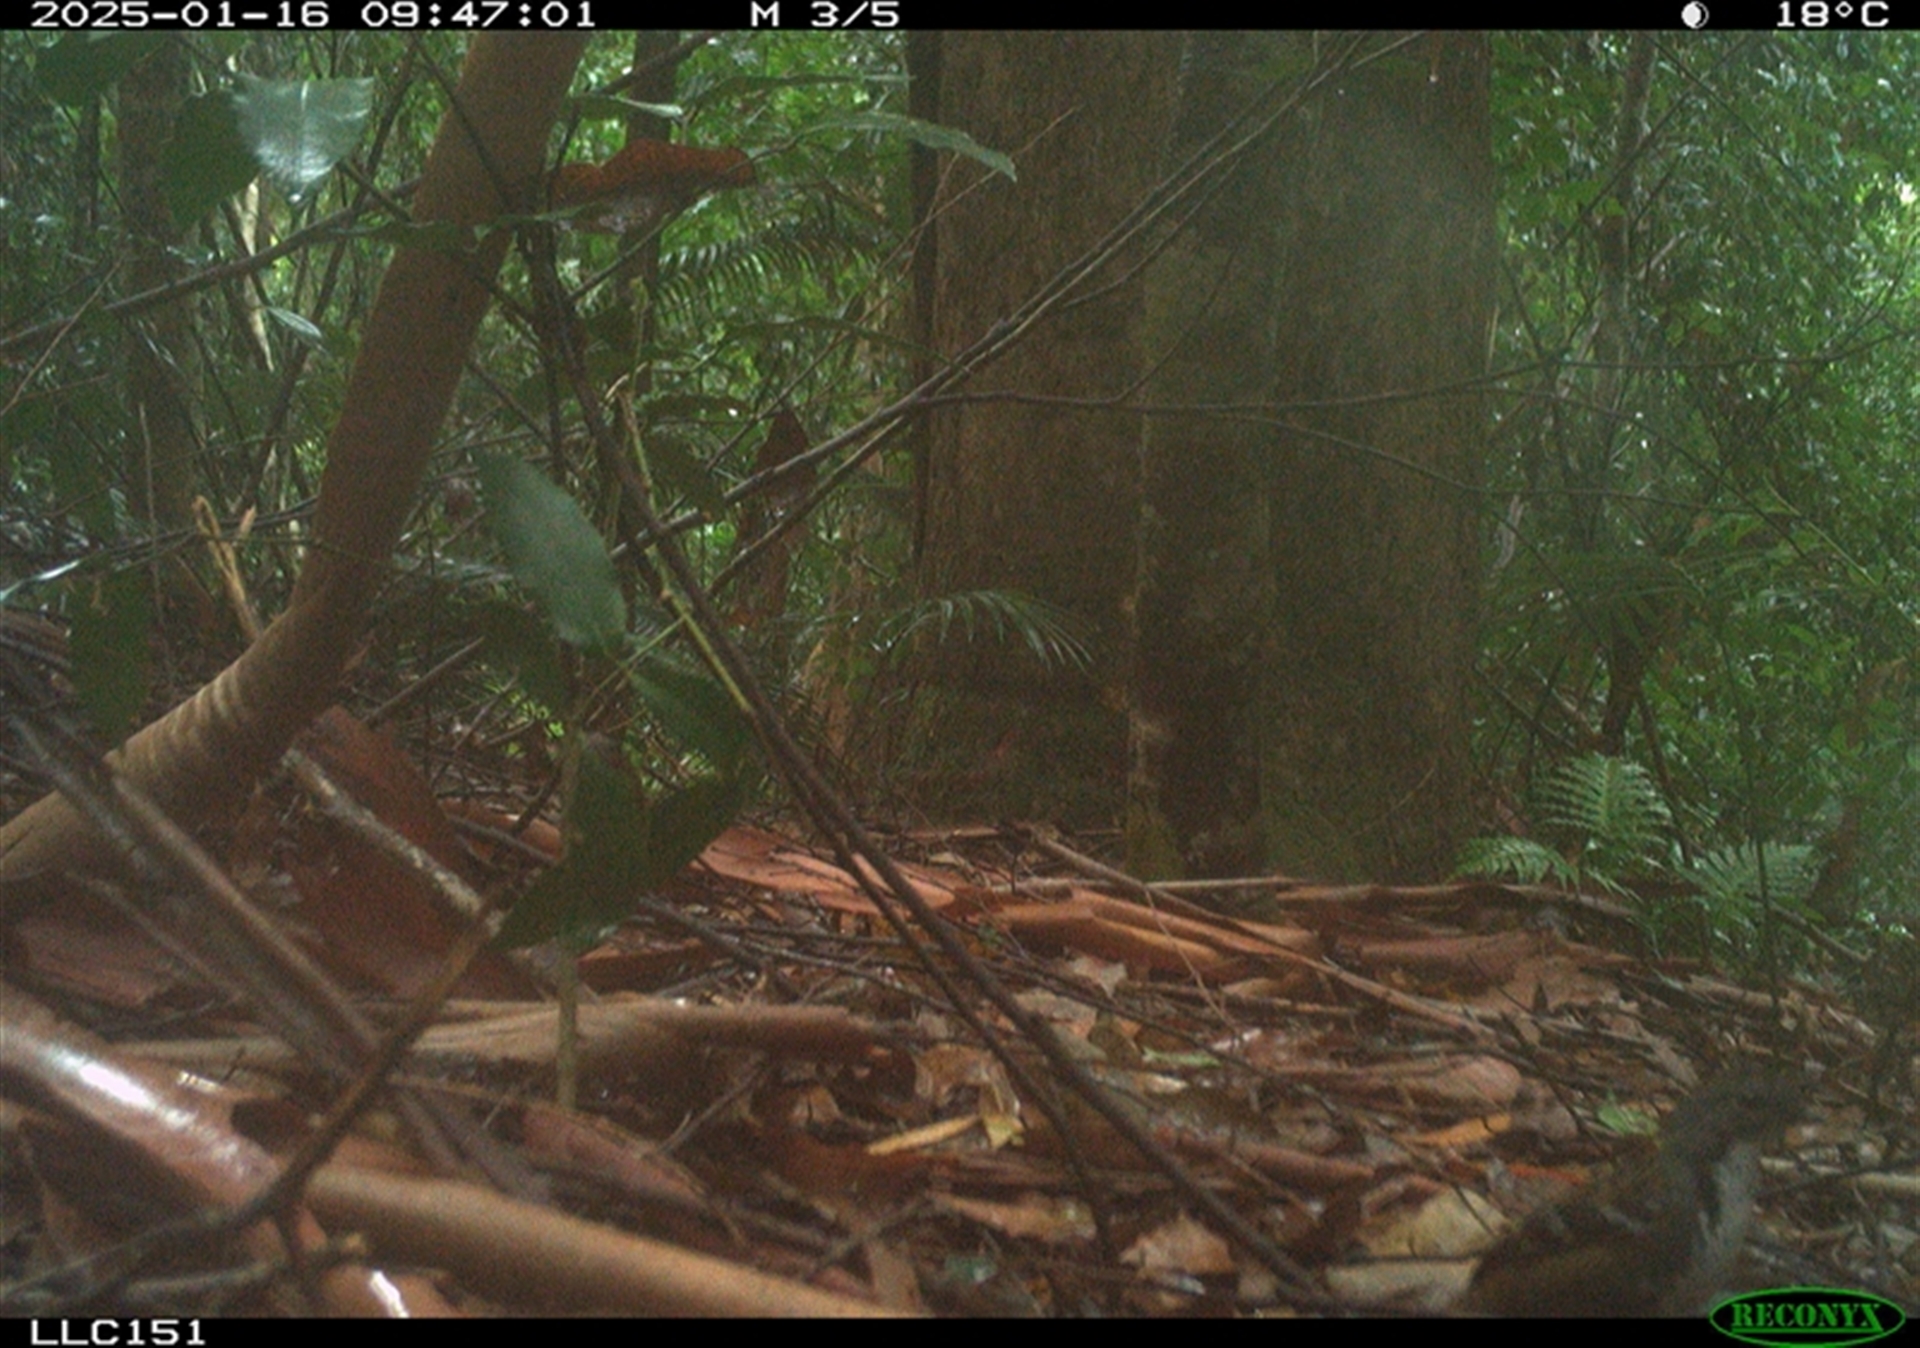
1050,632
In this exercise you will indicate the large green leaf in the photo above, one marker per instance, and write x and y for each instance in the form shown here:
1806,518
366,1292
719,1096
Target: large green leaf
82,65
683,822
207,160
929,134
693,707
304,330
611,107
618,844
554,552
299,129
737,88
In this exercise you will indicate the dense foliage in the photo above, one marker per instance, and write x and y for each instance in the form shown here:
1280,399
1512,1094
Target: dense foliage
1704,479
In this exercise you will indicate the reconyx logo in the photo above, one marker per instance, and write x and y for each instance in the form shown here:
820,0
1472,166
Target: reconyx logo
1804,1317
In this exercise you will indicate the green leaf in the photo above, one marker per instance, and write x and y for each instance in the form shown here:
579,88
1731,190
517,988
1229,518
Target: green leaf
207,160
300,129
672,465
1050,632
554,552
607,844
686,820
611,107
1605,802
618,844
736,88
108,645
929,134
1731,875
693,707
81,66
304,330
1525,860
520,644
1625,1121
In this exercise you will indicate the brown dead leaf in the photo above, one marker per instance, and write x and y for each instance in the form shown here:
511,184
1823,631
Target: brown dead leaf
1080,924
755,857
848,1180
942,1071
1550,980
1181,1248
627,968
1419,1286
551,1258
1453,1084
375,918
1463,961
1452,1223
100,959
1466,1135
635,1166
1049,1218
648,1036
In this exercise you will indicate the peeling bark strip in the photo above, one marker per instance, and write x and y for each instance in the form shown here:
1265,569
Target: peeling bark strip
207,751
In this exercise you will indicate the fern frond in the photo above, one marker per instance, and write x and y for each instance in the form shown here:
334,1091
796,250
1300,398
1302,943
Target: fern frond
1611,804
743,267
1731,875
1520,859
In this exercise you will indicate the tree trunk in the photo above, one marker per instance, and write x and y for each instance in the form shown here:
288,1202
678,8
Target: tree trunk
1387,293
1202,609
1017,496
1305,606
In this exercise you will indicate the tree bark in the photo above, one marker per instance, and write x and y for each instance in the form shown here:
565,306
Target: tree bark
1021,496
1386,310
1304,615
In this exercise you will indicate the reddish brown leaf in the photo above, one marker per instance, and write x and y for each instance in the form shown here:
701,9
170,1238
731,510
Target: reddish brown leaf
661,166
756,857
645,181
377,919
